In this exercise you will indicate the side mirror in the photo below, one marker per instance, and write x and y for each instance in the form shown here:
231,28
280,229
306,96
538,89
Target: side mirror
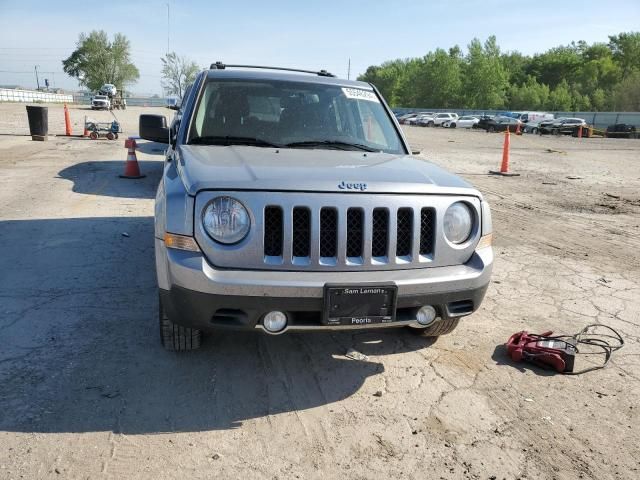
154,128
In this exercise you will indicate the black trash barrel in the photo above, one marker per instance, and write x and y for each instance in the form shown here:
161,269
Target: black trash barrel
38,122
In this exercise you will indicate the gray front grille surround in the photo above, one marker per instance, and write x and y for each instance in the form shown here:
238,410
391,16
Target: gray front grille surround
329,208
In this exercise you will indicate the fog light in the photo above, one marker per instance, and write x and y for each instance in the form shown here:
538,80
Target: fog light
274,321
426,315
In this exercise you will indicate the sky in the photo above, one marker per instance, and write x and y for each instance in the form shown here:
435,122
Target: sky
305,34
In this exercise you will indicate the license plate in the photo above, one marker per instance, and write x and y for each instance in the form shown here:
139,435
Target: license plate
359,305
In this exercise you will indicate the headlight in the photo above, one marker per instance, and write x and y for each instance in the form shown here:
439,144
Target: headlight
458,221
226,220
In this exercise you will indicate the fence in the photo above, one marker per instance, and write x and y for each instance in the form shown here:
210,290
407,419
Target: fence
131,101
31,96
596,119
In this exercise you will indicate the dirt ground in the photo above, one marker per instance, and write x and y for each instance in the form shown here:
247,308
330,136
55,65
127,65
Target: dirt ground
86,390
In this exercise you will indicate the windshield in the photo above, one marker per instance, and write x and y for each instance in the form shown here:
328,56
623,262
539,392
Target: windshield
289,114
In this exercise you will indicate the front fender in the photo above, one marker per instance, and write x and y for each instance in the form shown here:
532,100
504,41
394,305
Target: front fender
174,206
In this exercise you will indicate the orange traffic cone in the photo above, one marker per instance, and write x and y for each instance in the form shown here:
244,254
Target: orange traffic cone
85,133
131,169
504,168
67,121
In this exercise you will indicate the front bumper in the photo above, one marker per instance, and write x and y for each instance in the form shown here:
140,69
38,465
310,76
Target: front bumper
195,294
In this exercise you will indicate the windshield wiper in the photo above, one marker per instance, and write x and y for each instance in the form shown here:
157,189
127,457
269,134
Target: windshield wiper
232,140
332,143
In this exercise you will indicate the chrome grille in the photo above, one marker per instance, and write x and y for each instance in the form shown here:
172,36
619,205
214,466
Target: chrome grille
357,234
313,231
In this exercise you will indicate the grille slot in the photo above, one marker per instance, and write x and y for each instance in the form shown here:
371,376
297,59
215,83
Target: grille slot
380,233
355,220
404,232
328,232
273,234
301,242
427,229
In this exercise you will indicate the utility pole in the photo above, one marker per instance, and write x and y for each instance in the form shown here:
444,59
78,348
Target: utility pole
37,80
168,29
349,70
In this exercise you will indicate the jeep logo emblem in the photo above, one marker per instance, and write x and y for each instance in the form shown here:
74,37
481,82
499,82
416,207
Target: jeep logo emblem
352,186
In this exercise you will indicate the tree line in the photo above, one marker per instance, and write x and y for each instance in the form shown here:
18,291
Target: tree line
575,77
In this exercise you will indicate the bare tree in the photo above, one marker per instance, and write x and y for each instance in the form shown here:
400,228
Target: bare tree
177,73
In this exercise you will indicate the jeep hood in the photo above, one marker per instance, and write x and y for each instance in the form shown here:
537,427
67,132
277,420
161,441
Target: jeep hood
205,167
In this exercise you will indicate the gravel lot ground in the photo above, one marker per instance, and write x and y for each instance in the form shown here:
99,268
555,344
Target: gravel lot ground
86,391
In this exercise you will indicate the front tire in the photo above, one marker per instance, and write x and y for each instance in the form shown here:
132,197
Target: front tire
443,327
177,338
452,125
430,124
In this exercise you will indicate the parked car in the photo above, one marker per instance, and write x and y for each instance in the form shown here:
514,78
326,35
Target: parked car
420,118
545,125
482,122
109,90
535,117
439,118
621,130
462,122
404,119
100,102
561,126
276,235
501,124
531,127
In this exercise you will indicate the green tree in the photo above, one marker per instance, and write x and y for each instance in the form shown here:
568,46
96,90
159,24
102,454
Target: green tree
97,61
597,69
626,96
626,51
516,65
406,92
529,96
485,78
599,100
560,98
438,82
555,65
177,73
385,77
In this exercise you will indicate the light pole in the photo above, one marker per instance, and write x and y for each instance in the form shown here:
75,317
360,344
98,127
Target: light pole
37,80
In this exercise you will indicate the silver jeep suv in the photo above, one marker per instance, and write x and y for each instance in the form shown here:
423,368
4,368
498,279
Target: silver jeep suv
290,202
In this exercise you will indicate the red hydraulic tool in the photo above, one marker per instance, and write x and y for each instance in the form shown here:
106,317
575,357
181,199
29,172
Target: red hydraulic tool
559,352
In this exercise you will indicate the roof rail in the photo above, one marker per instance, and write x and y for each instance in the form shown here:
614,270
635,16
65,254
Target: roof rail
222,66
